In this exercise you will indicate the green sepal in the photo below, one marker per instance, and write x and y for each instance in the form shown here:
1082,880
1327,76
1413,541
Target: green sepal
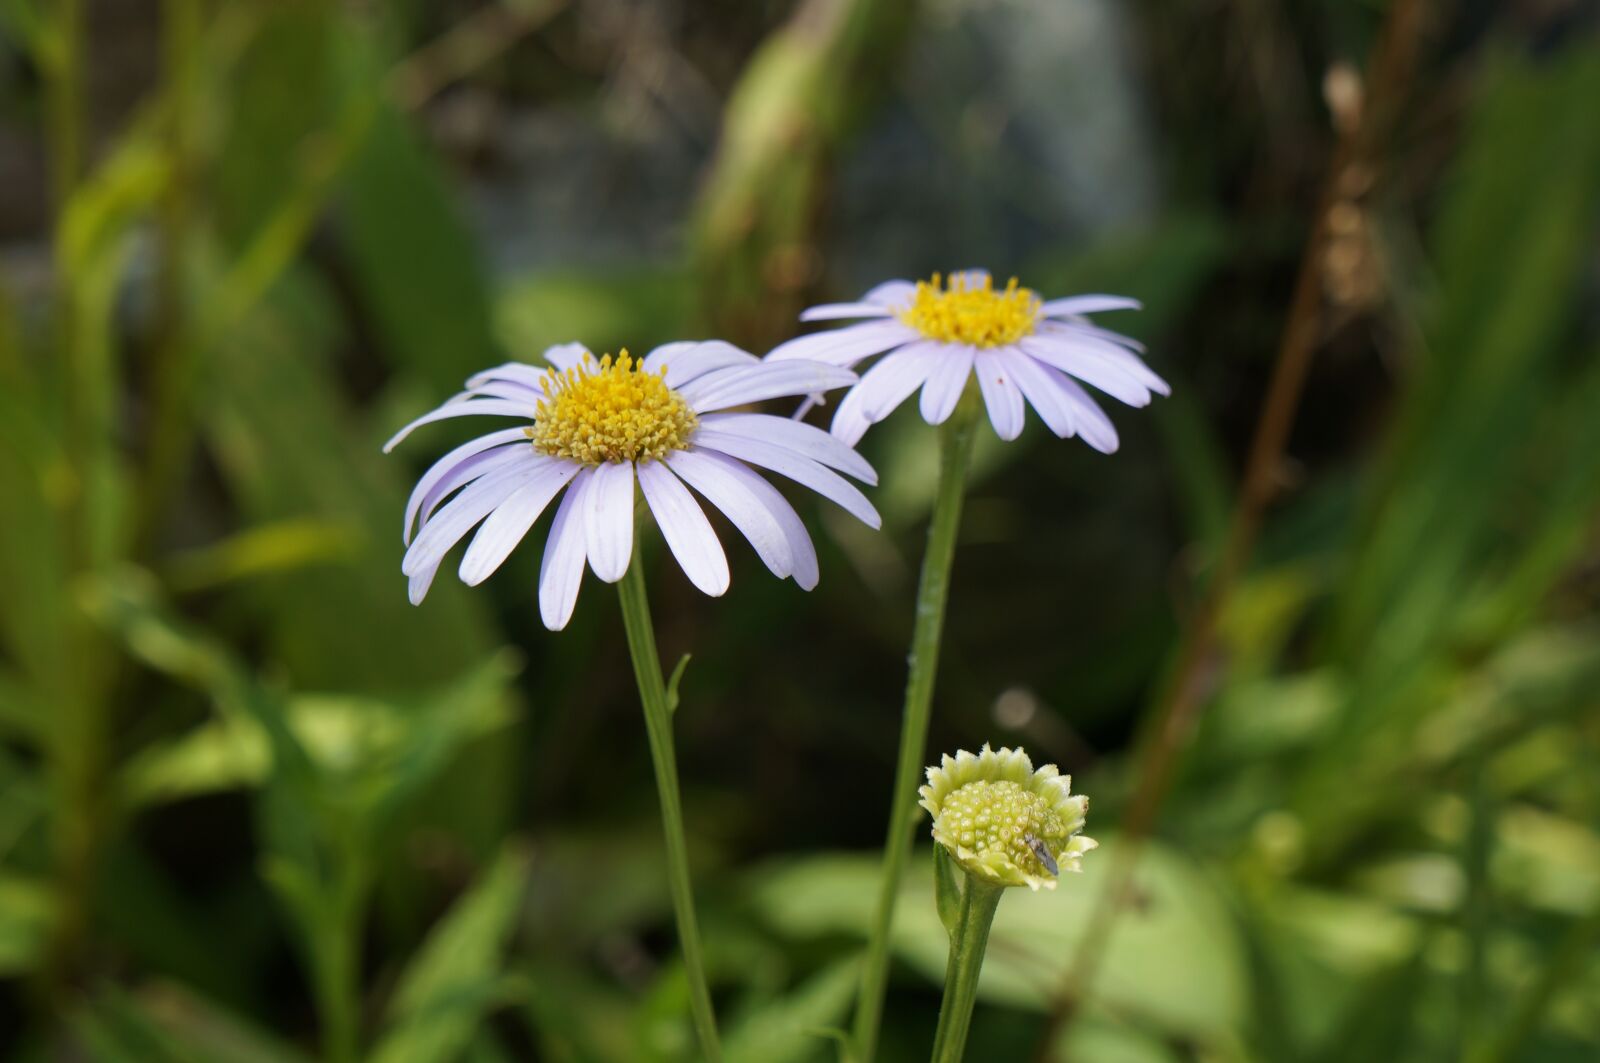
947,876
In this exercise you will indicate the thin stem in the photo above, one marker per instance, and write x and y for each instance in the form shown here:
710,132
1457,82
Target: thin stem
338,966
65,101
658,723
173,359
331,919
78,738
1476,911
933,592
979,900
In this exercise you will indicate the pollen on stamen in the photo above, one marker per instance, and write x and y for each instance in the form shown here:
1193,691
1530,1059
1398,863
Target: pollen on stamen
615,411
974,314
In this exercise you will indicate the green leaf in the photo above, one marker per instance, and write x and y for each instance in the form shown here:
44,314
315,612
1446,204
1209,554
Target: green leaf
423,280
275,371
37,35
265,145
27,912
35,610
22,712
673,680
1102,1041
1177,961
792,1027
113,1027
268,549
1486,461
633,308
390,749
182,1025
1507,277
456,975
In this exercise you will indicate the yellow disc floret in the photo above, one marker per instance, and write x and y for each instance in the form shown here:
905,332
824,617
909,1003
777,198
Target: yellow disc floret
1002,818
611,412
973,314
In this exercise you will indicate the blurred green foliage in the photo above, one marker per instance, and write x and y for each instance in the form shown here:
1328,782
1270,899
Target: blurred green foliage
254,808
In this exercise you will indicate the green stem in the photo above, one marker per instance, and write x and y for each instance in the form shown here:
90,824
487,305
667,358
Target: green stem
64,90
658,722
173,359
955,452
79,735
333,929
978,903
1476,909
338,976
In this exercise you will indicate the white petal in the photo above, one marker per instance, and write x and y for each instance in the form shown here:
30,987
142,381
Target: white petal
566,355
417,586
1033,379
800,469
561,570
896,293
663,354
704,471
722,388
467,509
474,468
510,521
1088,304
508,389
798,436
1113,372
1000,395
684,526
530,376
1089,367
946,381
1082,326
470,408
608,520
801,551
1093,424
842,311
845,346
1076,337
882,388
441,469
697,359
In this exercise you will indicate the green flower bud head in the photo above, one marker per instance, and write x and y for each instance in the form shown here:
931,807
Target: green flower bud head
1005,821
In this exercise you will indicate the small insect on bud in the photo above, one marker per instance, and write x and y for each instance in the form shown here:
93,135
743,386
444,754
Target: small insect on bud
1042,851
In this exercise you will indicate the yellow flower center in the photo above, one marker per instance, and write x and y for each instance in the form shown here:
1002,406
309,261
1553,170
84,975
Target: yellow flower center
987,817
614,412
972,314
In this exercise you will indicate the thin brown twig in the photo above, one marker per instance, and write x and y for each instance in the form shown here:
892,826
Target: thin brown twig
1360,118
466,47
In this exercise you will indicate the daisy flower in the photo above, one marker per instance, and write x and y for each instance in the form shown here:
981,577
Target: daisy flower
934,336
598,427
1004,821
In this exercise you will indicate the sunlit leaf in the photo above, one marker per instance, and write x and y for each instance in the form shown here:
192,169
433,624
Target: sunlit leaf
454,978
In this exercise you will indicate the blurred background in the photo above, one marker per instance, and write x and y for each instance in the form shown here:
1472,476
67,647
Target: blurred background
1331,674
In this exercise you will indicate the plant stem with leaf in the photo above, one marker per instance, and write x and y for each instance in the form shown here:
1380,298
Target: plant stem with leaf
968,941
658,724
933,591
